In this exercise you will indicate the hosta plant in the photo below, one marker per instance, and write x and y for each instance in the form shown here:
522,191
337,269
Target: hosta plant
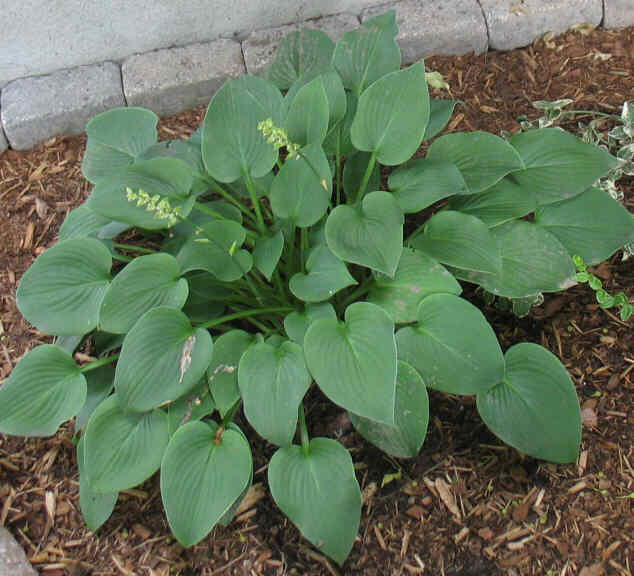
297,240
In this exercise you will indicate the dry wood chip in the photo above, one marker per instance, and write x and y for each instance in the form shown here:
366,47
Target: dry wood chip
415,512
594,570
254,495
578,487
446,495
486,534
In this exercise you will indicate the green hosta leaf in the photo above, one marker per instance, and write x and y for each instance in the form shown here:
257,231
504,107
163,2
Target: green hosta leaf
95,508
353,173
299,192
319,492
189,408
325,276
411,416
535,408
417,276
459,240
297,323
145,283
339,137
201,478
559,165
440,112
308,114
592,225
369,233
45,389
267,253
169,178
482,158
82,222
68,343
187,151
222,374
273,381
206,297
301,53
61,292
452,346
421,182
122,449
505,201
115,139
100,383
533,261
232,145
162,358
392,116
105,342
364,55
262,186
360,373
216,249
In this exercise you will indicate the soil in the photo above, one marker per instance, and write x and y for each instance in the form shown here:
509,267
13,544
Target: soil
503,513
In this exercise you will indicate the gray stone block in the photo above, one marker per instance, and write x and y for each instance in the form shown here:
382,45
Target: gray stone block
260,46
3,139
618,13
36,109
436,27
13,560
515,23
170,81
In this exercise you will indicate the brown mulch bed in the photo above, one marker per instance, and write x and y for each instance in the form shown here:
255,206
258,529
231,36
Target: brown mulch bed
511,515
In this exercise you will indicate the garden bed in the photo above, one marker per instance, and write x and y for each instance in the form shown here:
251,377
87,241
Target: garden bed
502,514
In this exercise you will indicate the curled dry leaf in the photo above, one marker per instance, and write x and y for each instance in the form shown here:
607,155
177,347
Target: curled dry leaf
446,495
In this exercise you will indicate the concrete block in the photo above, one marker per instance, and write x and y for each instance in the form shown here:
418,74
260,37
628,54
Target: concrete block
3,139
170,81
13,560
436,27
618,13
260,46
512,23
36,109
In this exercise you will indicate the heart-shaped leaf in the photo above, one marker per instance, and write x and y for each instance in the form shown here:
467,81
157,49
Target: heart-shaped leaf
482,158
558,165
297,323
162,358
505,201
232,145
267,253
369,234
325,276
319,492
440,112
421,182
411,416
575,224
82,222
61,292
100,383
201,477
364,55
216,249
115,138
44,389
535,408
207,297
338,139
301,190
127,196
392,116
145,283
222,374
95,508
301,53
273,381
417,276
122,449
194,406
308,114
360,374
353,173
459,240
452,346
533,261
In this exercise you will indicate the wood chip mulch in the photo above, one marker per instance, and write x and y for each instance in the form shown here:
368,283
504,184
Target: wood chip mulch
468,505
